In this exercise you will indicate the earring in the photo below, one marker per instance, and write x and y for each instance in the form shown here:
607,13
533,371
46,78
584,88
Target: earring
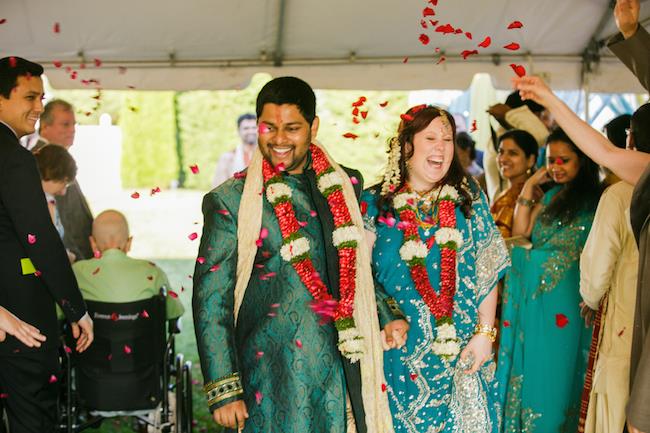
529,171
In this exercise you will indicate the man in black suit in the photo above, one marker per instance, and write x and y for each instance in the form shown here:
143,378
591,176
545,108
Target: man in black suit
34,269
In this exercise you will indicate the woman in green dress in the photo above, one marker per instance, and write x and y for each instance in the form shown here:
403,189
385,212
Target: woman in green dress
544,343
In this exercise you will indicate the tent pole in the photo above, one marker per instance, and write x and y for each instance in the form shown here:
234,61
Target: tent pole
279,40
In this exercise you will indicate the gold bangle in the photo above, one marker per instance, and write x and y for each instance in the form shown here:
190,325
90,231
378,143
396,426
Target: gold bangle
526,202
487,330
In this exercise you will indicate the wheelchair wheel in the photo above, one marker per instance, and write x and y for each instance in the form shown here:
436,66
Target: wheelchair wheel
187,398
179,388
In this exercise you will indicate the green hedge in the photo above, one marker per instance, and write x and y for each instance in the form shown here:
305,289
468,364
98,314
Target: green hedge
149,156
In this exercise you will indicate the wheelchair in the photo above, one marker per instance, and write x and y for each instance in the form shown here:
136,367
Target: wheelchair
131,369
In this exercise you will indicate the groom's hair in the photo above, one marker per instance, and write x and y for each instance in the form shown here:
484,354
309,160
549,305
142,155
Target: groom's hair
288,90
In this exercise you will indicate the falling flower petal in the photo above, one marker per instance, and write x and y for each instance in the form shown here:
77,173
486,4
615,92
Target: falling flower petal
172,293
458,31
57,64
620,333
98,63
423,23
38,273
31,239
506,323
3,20
513,46
413,376
441,59
406,117
431,241
350,135
445,29
299,343
302,223
466,53
259,354
192,236
223,212
194,168
473,128
356,120
264,233
428,12
389,220
355,111
96,271
200,260
110,356
313,213
364,207
53,379
258,397
406,59
115,317
434,22
383,104
144,314
135,195
519,70
486,42
325,310
561,320
515,25
213,268
354,180
468,35
127,349
67,349
383,387
57,28
155,191
239,175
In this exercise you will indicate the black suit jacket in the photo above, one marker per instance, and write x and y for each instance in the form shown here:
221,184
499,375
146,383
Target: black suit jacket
23,211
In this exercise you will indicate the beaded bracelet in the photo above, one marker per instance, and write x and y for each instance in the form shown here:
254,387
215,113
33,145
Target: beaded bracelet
526,202
486,330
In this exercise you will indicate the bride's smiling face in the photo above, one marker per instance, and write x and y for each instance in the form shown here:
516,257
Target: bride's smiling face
433,152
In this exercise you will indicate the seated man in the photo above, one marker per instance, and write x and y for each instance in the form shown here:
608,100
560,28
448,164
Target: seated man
113,276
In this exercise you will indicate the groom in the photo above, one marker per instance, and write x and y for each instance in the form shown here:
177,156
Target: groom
273,264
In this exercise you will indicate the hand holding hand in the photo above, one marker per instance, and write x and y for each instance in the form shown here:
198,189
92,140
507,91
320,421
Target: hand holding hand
626,14
394,334
26,333
480,347
82,331
232,415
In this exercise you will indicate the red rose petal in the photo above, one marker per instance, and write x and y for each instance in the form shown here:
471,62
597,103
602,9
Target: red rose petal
413,376
155,191
519,70
406,117
428,12
468,35
313,213
258,397
56,28
172,293
434,22
144,314
127,349
406,59
298,343
561,320
423,23
98,63
364,114
114,317
223,212
31,239
474,128
515,25
200,260
135,195
57,64
466,53
441,59
383,104
192,236
424,39
383,387
194,168
506,323
512,46
259,354
486,42
620,333
445,29
213,268
53,379
3,20
354,180
350,135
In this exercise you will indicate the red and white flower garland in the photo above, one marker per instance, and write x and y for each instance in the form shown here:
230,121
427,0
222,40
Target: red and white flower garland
414,252
296,249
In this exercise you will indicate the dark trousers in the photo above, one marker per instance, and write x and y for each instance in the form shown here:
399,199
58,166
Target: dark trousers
29,390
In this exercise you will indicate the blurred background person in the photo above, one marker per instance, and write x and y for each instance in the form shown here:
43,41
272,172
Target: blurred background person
544,343
57,127
238,159
516,159
616,131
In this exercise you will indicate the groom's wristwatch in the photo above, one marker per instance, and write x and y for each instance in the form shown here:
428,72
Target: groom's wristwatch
486,330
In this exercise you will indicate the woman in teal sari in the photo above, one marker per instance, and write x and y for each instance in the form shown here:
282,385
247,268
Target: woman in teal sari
544,342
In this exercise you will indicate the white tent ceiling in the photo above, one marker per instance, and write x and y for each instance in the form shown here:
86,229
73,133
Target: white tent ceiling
361,44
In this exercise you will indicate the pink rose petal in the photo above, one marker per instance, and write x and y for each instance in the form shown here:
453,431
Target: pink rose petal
127,349
200,260
192,236
31,239
298,343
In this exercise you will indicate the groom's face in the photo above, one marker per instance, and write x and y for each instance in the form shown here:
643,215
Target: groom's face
285,136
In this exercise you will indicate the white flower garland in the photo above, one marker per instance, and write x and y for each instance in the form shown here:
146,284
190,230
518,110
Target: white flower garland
446,235
403,200
413,249
351,344
449,192
295,248
329,180
276,191
345,234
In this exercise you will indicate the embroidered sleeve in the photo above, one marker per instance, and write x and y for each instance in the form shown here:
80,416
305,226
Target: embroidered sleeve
369,209
492,259
222,389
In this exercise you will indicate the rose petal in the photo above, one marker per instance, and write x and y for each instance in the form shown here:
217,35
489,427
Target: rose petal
354,180
96,271
258,397
424,39
424,24
298,343
406,117
313,213
428,12
445,29
98,63
213,268
468,35
56,28
127,349
406,59
350,135
259,354
512,46
57,64
239,175
194,168
135,195
561,320
519,69
31,239
200,260
473,128
144,314
515,25
223,212
506,323
3,20
383,104
53,379
413,376
383,387
264,233
486,42
115,317
192,236
466,53
172,293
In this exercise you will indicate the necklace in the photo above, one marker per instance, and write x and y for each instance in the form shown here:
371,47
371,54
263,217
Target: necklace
296,250
414,252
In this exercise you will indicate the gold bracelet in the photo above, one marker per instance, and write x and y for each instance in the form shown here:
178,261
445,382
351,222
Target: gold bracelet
487,330
526,202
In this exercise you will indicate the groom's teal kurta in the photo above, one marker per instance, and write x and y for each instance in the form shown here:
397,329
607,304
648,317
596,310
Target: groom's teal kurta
292,374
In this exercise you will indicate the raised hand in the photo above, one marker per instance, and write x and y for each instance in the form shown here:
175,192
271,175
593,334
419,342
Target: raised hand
535,89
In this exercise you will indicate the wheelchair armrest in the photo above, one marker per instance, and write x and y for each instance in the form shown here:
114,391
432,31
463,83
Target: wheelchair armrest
174,326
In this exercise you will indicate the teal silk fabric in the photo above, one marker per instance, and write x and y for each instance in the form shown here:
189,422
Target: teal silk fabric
291,370
426,392
544,341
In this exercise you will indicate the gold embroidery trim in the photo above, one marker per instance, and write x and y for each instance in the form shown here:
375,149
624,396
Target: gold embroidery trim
223,388
394,308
